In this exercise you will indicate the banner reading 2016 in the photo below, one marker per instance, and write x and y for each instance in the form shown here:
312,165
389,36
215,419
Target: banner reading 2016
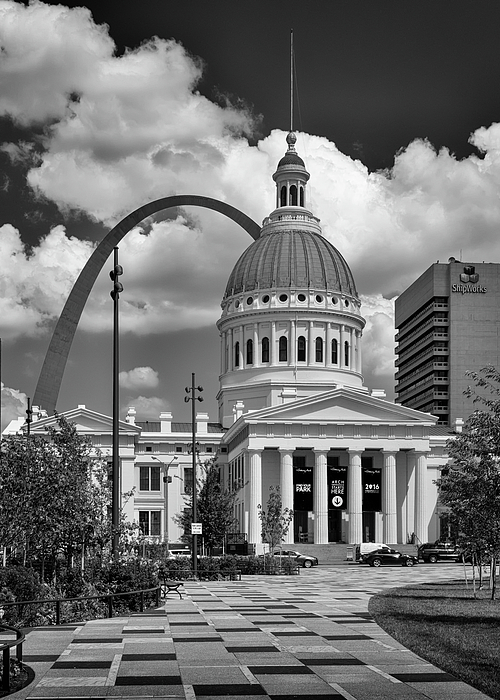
372,489
337,488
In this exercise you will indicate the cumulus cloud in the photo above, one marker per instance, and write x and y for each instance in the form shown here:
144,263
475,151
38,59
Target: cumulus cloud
139,378
14,404
34,283
147,408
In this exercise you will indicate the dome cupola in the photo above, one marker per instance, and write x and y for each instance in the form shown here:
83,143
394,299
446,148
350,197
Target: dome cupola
291,323
291,177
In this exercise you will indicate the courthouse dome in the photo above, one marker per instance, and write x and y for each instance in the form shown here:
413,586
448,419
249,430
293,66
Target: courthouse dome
291,258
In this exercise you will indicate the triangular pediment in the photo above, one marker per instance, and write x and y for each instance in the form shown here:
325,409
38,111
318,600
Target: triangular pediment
86,421
341,405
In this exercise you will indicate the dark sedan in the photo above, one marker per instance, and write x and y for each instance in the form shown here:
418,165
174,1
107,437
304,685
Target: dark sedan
302,559
389,557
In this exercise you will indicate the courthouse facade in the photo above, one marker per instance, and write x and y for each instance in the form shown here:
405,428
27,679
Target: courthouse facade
293,408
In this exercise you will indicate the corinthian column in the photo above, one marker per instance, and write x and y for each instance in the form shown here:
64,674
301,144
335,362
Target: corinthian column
355,497
389,498
420,509
286,487
320,498
255,488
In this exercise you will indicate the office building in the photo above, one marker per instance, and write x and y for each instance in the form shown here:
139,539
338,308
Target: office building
447,324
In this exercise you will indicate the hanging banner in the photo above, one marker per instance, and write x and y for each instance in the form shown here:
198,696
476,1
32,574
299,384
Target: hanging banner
303,488
337,488
372,489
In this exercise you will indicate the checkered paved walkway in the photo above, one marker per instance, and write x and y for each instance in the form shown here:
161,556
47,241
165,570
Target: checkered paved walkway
301,637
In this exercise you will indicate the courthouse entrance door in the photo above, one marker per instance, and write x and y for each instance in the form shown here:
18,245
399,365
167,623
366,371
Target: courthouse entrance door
334,525
368,526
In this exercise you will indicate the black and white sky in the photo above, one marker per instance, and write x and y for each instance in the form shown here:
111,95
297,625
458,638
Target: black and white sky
107,106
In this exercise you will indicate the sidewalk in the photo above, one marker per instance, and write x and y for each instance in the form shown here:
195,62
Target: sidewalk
276,637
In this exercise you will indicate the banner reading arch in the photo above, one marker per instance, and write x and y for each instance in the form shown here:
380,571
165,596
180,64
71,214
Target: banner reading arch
49,381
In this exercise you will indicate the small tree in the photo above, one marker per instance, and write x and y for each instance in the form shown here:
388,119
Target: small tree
215,507
275,521
470,484
54,494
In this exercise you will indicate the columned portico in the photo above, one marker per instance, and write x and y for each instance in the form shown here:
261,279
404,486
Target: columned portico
286,487
255,496
320,497
389,498
355,497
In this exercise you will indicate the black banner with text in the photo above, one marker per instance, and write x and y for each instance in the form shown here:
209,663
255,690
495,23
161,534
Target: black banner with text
337,488
303,488
372,489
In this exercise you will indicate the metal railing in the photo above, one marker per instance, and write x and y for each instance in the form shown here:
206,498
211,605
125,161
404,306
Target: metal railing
109,597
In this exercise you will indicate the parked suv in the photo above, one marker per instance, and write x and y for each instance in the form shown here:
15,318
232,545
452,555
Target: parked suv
439,551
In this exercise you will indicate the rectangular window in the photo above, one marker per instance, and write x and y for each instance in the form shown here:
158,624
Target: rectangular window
149,478
144,521
149,522
188,480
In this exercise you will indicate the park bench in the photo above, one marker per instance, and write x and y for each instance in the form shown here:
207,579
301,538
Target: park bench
169,585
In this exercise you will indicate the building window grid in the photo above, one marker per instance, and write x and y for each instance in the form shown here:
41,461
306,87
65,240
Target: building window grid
150,522
149,478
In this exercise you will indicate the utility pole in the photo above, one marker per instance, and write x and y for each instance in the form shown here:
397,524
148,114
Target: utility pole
115,497
194,525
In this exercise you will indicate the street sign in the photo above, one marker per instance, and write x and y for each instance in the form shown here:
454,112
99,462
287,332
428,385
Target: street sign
196,529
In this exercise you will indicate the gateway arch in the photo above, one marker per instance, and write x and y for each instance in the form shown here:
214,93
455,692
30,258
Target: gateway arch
49,381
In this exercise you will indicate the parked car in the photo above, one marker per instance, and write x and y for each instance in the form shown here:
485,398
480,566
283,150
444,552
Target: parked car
179,553
302,559
389,557
439,551
361,550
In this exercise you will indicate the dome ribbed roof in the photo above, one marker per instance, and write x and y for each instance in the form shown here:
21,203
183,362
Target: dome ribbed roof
295,259
291,158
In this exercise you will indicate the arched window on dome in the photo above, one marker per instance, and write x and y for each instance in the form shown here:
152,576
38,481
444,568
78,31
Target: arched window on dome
265,350
249,352
335,352
283,196
319,349
283,349
346,353
301,349
293,195
237,354
301,190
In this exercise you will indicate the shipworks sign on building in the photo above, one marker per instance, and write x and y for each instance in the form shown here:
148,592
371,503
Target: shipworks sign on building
469,282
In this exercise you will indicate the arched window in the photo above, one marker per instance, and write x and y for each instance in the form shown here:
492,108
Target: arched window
265,349
301,349
319,349
301,196
346,353
249,352
293,195
335,352
283,349
237,354
283,196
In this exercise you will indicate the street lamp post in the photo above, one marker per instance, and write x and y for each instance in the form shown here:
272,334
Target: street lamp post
115,496
166,480
192,391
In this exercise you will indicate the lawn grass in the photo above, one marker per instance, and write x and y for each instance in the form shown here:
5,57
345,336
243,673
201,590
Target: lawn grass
444,624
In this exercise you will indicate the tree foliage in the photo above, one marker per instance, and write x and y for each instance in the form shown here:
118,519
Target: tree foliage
53,494
215,507
275,521
470,483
